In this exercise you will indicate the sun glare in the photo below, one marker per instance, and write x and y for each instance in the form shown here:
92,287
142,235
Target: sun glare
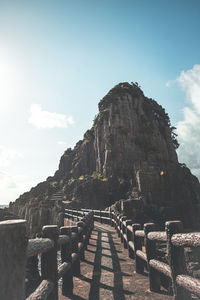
10,77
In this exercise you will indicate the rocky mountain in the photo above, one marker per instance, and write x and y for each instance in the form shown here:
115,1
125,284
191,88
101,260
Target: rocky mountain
130,154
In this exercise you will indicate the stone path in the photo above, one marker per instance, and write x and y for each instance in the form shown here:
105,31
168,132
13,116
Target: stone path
108,273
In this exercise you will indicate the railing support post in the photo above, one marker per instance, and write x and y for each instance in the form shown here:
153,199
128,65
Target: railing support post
32,274
128,234
118,224
76,263
81,224
154,276
49,268
100,216
176,259
110,216
122,230
138,246
13,259
66,256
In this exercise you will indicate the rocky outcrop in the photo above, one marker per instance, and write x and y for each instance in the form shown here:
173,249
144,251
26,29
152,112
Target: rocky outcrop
38,208
129,153
6,215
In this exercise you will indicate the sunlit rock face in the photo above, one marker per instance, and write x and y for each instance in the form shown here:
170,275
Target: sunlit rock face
129,153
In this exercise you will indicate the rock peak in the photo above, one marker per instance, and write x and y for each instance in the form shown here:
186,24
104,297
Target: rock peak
119,90
128,154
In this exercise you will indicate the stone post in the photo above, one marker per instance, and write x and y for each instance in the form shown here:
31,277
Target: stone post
154,275
128,234
122,230
176,259
66,256
80,239
13,246
138,246
100,216
76,263
110,216
49,268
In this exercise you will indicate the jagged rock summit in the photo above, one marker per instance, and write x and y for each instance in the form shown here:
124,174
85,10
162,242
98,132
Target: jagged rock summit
129,153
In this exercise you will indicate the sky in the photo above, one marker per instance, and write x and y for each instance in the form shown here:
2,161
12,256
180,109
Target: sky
59,58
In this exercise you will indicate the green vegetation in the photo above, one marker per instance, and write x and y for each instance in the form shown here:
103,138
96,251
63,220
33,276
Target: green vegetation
67,152
174,137
105,179
73,198
86,141
71,180
54,183
121,180
97,175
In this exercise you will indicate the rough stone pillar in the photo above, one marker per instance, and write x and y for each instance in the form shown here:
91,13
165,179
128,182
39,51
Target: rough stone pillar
154,275
80,226
75,254
49,268
122,229
66,256
13,246
32,274
176,259
137,246
128,234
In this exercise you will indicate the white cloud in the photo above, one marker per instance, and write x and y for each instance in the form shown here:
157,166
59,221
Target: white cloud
6,155
45,119
189,128
6,181
62,143
12,186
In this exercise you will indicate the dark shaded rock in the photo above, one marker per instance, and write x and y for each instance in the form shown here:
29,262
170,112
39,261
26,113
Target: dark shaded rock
6,215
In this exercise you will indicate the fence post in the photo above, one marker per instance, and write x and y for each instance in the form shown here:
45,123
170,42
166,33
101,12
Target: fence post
122,228
154,275
91,222
80,225
49,268
100,217
76,263
32,274
66,256
115,218
138,246
13,259
176,259
130,239
110,216
126,231
118,224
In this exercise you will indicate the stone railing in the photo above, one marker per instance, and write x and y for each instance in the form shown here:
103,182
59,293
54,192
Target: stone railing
16,249
101,216
143,246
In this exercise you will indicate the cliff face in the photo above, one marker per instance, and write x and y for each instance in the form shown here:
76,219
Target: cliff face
128,154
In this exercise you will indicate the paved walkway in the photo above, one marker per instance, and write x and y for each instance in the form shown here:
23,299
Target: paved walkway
108,273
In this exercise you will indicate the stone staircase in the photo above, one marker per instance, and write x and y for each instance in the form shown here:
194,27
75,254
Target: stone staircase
57,196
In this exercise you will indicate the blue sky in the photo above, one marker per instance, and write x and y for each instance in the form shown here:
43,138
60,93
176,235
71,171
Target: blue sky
59,58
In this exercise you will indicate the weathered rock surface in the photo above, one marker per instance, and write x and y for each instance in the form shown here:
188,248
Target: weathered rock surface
129,153
38,209
6,215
